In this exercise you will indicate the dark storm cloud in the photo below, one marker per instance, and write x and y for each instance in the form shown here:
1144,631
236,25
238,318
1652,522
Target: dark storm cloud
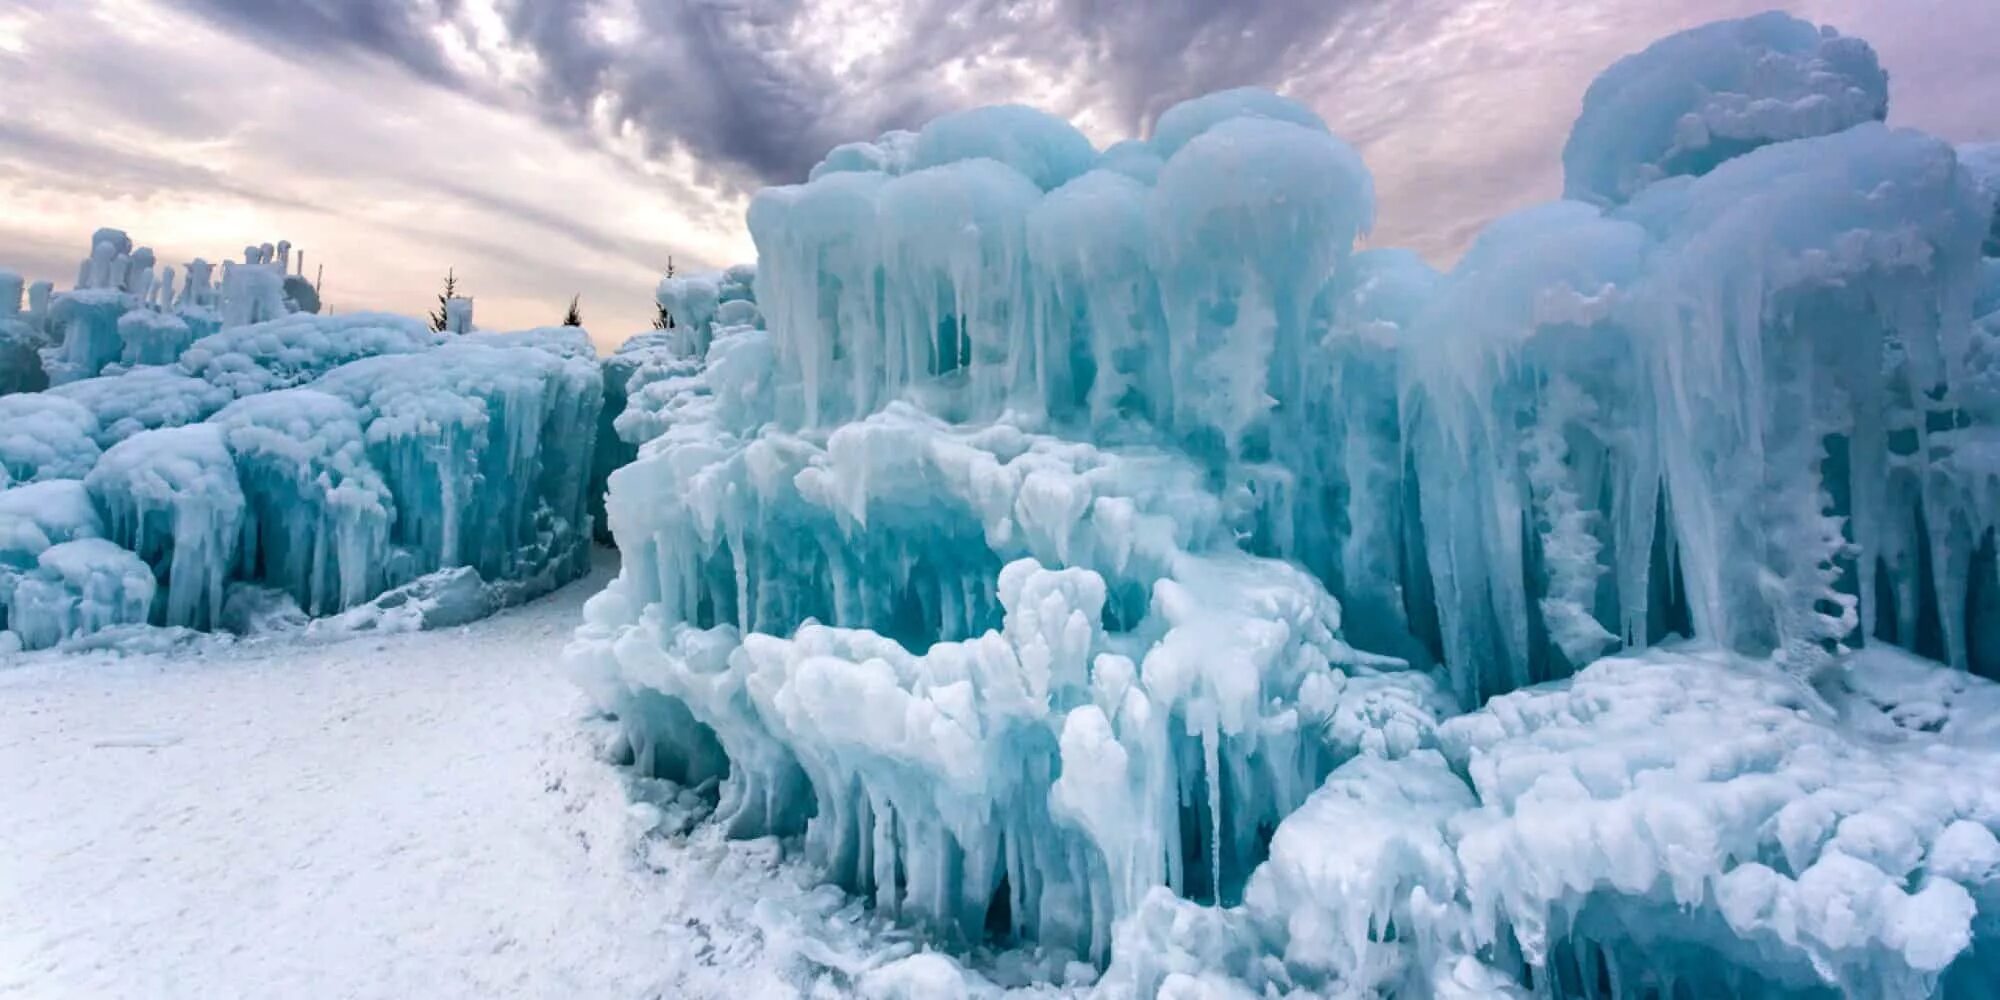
1467,101
736,84
398,30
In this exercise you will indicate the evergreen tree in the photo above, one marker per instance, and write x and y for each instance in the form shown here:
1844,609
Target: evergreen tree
439,321
664,320
575,315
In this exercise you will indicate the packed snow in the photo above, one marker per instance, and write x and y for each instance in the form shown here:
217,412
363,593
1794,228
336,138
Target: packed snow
411,815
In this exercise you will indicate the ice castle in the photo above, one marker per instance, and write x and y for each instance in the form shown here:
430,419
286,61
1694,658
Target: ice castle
1091,551
217,455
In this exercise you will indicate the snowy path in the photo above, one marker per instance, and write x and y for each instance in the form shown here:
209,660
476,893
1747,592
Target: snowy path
408,816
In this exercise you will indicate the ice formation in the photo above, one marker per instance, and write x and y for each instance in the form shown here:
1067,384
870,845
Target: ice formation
229,447
1093,551
1667,824
1693,100
125,311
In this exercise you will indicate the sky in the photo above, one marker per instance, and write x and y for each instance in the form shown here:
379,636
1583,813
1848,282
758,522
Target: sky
541,149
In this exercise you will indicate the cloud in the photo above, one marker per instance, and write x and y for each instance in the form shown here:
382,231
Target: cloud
399,30
43,157
383,176
1459,105
599,136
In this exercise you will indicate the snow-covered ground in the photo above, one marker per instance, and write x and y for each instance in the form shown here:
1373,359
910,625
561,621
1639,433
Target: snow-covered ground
420,815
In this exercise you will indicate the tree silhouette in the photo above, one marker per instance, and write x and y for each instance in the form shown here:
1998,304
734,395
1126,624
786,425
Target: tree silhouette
439,321
574,317
664,320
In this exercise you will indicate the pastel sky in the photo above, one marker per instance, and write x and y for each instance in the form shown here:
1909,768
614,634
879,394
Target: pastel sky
549,148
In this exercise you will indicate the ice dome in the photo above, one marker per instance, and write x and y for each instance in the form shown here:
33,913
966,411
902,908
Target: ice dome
1695,99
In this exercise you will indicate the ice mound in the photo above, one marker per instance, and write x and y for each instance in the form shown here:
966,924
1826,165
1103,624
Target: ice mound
441,599
290,352
1695,99
1181,123
34,518
79,587
153,338
46,437
172,496
1659,823
1044,148
890,153
144,399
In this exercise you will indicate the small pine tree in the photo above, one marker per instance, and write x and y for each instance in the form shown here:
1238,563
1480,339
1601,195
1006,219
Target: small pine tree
574,317
664,320
439,321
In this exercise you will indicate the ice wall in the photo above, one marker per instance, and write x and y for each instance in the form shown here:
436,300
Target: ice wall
328,458
1071,516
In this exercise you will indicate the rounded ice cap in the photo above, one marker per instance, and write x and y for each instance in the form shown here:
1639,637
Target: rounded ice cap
691,298
1379,293
1693,100
1181,123
1559,264
1135,158
1044,148
1285,199
43,436
889,154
